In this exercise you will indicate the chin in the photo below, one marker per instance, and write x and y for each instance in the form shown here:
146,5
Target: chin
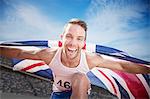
72,57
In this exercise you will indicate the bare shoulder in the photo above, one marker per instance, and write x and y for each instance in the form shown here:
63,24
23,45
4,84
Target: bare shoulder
47,54
93,59
48,50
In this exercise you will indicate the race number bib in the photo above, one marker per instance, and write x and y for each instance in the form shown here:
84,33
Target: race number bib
64,84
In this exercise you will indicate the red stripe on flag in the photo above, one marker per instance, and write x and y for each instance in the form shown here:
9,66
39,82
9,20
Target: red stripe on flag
32,66
134,84
109,81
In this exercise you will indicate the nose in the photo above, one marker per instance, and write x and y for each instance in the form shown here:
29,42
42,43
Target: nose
73,42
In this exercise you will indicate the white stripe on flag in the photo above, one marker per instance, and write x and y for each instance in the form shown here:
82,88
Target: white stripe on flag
52,43
109,75
122,83
25,63
90,47
38,68
103,79
144,83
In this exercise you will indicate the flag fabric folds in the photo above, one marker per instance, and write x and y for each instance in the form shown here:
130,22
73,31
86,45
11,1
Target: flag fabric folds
123,85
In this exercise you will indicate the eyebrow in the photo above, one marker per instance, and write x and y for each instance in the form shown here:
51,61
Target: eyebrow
81,36
77,36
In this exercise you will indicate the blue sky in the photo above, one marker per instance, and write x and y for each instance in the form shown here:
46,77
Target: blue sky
122,24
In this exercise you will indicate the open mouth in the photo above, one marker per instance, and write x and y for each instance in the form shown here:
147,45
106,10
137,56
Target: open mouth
71,50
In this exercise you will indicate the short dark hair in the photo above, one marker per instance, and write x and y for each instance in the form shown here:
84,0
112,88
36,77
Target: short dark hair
78,22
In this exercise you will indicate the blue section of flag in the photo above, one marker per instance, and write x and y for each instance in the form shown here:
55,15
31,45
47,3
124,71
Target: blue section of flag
95,81
123,92
147,78
16,61
118,54
108,50
45,73
42,43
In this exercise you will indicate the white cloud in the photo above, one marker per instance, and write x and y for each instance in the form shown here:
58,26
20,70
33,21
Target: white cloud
108,21
108,25
31,16
26,21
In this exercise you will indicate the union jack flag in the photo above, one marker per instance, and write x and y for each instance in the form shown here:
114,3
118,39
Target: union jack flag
123,85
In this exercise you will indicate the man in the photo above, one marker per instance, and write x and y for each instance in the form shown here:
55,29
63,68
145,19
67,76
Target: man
70,63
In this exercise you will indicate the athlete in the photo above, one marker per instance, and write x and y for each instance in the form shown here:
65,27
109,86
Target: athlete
70,63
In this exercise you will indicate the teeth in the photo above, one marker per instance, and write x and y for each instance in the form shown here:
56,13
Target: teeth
71,49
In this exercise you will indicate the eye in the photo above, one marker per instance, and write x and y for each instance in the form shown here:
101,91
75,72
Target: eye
80,39
68,36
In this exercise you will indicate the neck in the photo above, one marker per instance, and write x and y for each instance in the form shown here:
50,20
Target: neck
70,62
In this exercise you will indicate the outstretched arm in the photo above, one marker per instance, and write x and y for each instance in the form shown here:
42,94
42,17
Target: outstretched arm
117,64
133,67
13,52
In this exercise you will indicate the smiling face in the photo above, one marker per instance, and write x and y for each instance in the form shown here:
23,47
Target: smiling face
73,41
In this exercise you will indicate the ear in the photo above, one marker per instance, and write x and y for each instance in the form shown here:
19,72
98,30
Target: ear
84,47
61,36
59,44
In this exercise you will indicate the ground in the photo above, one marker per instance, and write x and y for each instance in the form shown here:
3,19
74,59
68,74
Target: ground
17,85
